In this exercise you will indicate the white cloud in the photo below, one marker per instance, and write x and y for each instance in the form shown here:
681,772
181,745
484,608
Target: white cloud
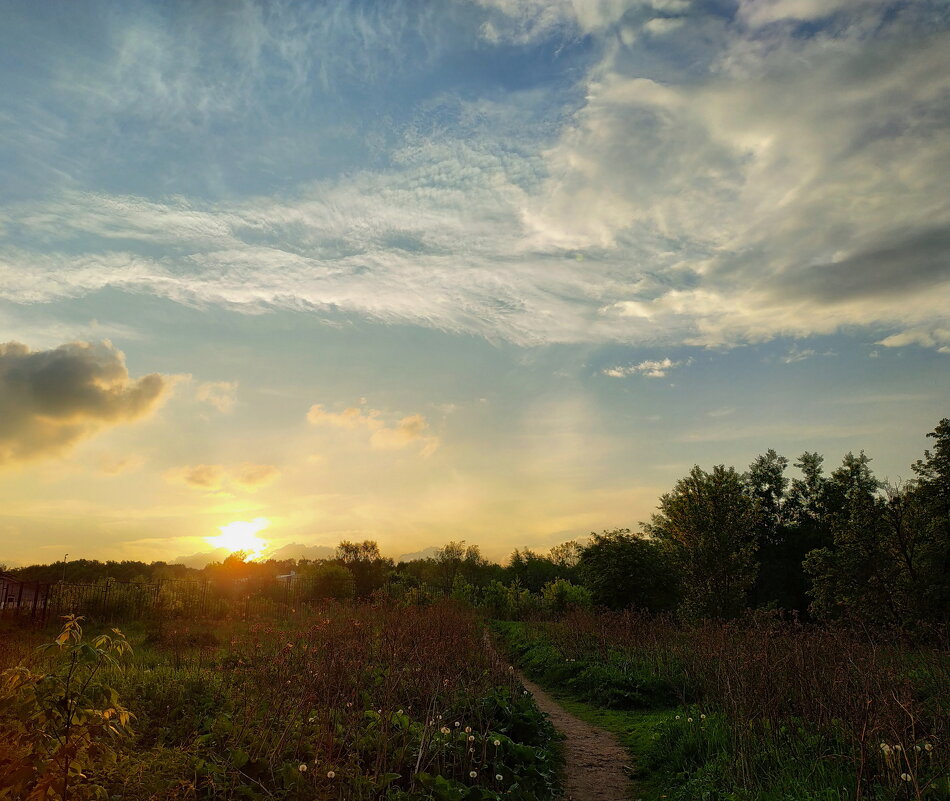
936,337
657,368
783,185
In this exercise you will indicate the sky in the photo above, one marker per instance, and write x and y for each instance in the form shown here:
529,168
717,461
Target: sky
498,271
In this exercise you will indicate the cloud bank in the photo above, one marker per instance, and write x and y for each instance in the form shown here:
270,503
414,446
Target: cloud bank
52,399
683,174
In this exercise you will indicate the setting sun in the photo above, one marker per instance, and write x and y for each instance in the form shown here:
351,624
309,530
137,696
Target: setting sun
241,535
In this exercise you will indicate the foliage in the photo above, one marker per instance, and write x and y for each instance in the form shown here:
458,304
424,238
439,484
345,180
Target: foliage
62,727
626,570
708,523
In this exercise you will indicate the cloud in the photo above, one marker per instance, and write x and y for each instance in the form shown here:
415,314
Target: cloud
52,399
409,430
222,395
777,171
935,337
652,368
245,476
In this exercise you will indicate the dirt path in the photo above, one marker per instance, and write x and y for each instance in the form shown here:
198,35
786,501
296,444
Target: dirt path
595,761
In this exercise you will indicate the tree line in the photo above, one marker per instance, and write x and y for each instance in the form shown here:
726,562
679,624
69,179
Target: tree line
836,545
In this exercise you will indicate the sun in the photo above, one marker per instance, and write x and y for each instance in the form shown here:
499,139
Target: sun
241,535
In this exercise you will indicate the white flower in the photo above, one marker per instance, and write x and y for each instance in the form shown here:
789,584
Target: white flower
917,748
907,777
445,730
677,717
331,774
497,743
928,747
468,729
689,720
498,777
473,774
702,717
471,738
302,767
457,724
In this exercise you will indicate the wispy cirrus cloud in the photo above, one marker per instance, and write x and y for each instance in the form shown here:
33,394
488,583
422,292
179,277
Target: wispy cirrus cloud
777,182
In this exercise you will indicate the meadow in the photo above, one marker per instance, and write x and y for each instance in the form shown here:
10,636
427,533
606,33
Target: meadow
758,708
336,702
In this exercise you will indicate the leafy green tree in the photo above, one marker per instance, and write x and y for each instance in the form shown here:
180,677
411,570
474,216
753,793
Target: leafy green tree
708,522
560,596
932,494
532,570
363,559
628,570
328,581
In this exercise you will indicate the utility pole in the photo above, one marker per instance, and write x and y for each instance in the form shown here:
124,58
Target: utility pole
65,555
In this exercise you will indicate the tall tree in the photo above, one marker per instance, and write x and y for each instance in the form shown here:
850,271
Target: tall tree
709,523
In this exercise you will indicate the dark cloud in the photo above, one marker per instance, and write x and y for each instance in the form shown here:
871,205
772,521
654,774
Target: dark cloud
910,264
51,399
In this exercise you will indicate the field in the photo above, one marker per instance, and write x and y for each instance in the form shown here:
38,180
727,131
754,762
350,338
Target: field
337,702
759,708
396,701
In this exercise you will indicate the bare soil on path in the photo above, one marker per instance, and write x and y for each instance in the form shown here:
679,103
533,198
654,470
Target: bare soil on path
595,762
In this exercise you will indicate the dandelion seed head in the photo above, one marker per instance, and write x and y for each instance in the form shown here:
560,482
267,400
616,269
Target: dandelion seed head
498,777
302,767
497,742
473,774
331,774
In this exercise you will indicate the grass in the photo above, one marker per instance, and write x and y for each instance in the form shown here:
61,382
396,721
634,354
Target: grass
766,711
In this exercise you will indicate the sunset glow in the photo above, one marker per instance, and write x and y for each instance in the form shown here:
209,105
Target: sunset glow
242,536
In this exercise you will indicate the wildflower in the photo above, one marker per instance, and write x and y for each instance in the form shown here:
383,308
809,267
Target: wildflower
917,748
677,717
689,720
702,717
498,777
302,767
457,724
468,729
331,774
906,777
471,750
497,743
445,730
928,747
473,774
471,737
897,747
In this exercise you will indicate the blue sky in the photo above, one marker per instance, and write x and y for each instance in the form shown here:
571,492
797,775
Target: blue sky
548,254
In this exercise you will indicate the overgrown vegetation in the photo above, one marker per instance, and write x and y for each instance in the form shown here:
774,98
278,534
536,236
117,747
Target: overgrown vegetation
346,702
759,708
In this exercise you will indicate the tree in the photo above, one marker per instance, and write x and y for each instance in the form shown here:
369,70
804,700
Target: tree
328,580
932,493
367,565
708,522
532,570
623,570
